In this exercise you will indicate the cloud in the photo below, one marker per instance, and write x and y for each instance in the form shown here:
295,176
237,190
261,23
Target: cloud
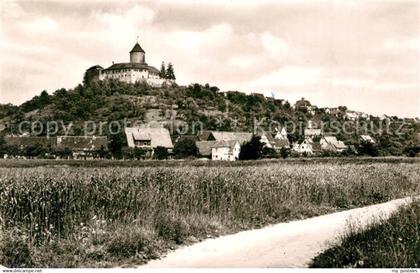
274,45
291,76
405,44
133,17
40,25
331,52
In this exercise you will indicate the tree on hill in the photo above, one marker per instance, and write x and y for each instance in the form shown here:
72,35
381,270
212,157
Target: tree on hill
91,74
115,144
36,102
185,148
170,73
368,148
162,72
284,152
252,149
2,146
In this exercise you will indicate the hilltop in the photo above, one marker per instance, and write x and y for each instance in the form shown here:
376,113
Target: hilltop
176,106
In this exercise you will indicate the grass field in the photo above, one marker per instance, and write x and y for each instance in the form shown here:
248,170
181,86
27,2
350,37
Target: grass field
60,216
394,243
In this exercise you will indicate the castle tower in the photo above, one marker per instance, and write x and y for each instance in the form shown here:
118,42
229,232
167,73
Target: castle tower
137,54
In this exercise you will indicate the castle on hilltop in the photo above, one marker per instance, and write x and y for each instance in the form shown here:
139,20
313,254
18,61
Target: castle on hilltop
137,70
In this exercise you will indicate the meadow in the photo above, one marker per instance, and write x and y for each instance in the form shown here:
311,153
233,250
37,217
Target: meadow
394,243
60,216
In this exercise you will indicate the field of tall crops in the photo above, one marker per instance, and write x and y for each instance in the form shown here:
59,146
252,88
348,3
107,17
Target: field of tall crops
74,216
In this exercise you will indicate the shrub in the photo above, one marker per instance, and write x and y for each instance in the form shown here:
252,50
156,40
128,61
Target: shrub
172,228
185,148
368,148
161,153
14,249
129,242
252,149
284,152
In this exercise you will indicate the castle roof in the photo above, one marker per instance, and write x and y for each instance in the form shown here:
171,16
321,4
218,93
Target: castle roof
137,48
119,66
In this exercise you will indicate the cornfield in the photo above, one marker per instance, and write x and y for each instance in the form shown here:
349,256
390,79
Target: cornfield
48,203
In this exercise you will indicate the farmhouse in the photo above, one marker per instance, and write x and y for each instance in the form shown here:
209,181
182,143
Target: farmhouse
23,141
81,146
137,70
274,143
304,147
354,115
241,137
312,132
219,150
330,143
148,139
204,148
225,150
281,134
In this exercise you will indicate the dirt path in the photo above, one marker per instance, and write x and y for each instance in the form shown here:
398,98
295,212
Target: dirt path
292,244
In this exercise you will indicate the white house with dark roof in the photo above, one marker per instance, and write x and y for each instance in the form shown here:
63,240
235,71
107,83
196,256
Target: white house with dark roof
272,142
219,150
281,134
241,137
137,70
225,150
303,147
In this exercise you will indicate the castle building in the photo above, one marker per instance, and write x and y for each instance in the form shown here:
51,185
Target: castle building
137,70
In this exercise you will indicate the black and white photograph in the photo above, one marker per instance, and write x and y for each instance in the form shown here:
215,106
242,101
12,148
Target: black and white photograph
162,136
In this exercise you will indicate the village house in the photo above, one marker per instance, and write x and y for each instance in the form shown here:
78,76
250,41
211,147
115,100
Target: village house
204,148
281,134
221,145
334,111
354,115
316,148
241,137
137,70
310,133
330,143
303,147
219,150
225,150
367,138
23,141
82,147
148,139
312,130
275,143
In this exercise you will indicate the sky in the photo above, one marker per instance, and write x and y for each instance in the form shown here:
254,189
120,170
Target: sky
364,54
